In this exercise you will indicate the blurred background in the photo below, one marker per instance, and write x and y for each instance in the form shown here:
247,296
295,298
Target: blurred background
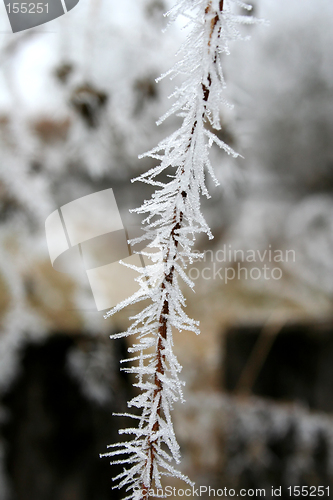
78,104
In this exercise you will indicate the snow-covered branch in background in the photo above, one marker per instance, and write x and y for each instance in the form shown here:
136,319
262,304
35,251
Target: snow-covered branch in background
173,218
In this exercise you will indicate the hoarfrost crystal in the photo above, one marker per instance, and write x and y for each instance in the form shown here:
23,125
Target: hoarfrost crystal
173,218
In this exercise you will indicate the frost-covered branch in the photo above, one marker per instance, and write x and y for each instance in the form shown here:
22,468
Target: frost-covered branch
172,219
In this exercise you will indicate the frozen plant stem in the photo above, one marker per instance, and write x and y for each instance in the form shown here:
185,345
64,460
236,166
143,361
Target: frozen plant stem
173,218
168,278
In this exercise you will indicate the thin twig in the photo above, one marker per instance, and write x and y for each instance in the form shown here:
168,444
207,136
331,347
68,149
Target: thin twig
258,355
